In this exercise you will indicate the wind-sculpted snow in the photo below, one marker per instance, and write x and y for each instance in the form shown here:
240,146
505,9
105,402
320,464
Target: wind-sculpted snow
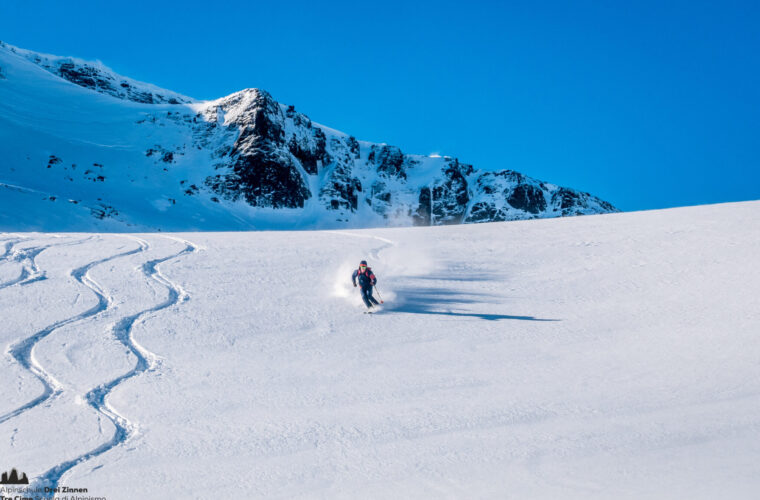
86,149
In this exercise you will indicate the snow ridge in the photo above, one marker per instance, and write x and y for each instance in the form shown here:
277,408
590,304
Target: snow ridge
100,78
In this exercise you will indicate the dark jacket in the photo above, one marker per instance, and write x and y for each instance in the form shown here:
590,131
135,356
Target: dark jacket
366,278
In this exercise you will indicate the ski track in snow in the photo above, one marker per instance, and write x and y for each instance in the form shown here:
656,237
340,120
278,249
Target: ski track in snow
146,361
30,271
26,258
7,245
23,351
374,252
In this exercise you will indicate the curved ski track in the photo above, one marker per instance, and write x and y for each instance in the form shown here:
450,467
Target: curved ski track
374,252
30,271
146,361
7,245
22,351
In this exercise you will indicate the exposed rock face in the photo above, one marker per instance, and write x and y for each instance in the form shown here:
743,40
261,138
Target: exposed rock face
388,160
528,198
446,202
307,144
263,170
279,157
571,202
340,190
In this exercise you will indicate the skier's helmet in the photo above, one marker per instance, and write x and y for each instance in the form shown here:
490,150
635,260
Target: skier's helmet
363,263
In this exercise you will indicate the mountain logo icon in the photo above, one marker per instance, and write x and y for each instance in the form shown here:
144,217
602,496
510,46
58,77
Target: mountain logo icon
13,478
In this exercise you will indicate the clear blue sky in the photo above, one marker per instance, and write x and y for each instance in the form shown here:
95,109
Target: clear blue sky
646,104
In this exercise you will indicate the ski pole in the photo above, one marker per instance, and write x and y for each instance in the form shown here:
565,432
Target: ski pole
378,295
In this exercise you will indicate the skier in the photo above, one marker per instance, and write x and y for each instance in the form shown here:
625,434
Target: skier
366,281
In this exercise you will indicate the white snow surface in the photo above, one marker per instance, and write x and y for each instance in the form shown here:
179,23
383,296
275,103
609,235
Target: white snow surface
611,356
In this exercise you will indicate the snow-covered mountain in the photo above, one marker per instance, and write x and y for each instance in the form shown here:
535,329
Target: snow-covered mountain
82,148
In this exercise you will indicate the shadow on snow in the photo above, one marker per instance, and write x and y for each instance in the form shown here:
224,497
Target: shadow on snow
438,302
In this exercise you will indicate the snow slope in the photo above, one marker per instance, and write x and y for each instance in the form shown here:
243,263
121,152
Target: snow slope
613,356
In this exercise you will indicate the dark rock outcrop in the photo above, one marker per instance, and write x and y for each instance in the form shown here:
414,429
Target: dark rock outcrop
423,215
278,150
262,180
485,212
450,195
570,202
311,153
528,198
388,160
100,79
262,170
340,190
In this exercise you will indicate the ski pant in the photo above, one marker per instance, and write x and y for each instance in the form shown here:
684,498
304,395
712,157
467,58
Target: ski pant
367,296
